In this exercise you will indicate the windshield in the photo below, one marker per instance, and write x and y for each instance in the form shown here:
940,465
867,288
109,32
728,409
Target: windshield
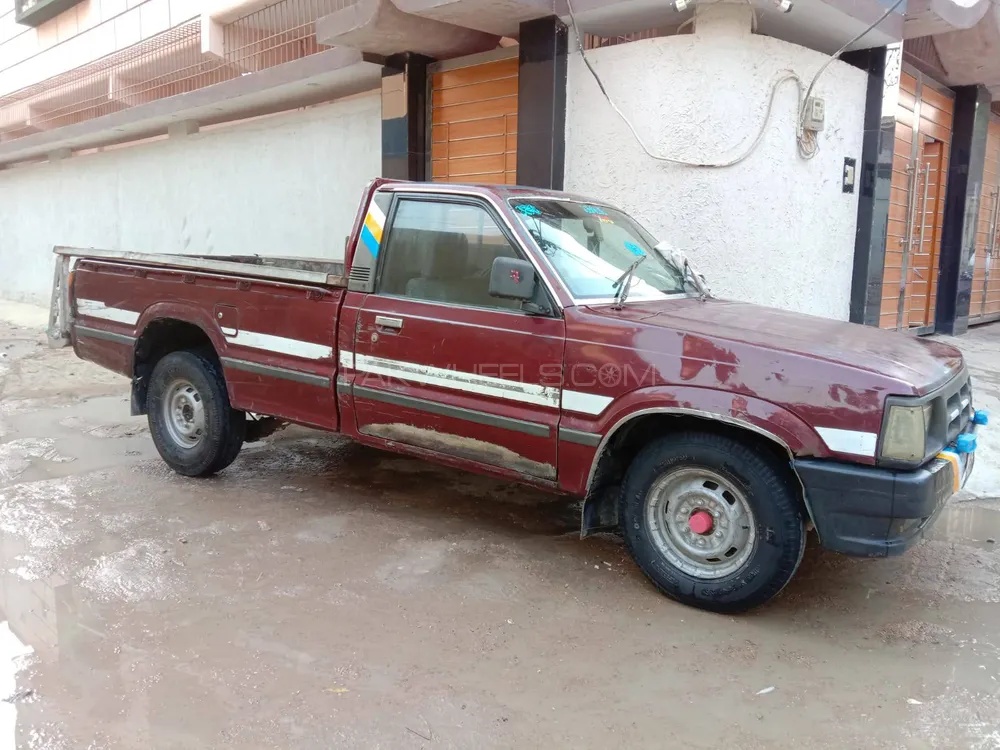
592,246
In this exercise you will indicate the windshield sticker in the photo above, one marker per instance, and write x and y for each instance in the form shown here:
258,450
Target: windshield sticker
605,219
634,248
527,209
596,210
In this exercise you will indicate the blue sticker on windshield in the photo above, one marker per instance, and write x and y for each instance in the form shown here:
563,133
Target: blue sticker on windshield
596,210
527,209
634,248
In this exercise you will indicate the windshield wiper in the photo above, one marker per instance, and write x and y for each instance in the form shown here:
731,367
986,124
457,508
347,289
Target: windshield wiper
624,282
680,262
692,277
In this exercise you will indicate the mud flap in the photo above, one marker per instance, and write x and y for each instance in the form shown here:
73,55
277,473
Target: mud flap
138,400
600,511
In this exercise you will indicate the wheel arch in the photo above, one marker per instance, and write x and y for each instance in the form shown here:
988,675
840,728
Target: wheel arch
160,336
620,444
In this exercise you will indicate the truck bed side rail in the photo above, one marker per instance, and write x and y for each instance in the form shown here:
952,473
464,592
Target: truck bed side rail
277,268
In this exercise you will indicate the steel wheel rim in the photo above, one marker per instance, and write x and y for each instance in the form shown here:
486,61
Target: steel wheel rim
681,503
183,412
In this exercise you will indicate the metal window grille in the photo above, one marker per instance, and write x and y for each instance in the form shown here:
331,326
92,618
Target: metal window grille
165,65
595,41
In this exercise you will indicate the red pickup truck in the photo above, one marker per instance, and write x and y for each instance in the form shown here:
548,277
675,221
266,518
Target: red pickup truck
547,339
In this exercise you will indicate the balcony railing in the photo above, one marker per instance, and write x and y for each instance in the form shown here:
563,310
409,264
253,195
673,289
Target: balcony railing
37,12
165,65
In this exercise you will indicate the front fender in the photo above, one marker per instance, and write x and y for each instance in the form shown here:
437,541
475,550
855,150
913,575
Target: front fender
769,420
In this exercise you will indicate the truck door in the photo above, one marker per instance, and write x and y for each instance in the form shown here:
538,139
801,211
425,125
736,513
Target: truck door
440,363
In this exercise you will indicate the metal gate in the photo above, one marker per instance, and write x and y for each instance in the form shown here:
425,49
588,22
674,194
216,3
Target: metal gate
984,304
916,211
473,116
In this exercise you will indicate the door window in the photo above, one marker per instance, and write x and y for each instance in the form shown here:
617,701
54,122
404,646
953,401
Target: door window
444,252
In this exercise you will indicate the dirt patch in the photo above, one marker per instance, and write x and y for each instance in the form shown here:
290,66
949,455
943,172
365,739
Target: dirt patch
470,448
915,632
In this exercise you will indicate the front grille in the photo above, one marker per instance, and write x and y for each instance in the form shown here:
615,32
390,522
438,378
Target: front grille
960,411
951,412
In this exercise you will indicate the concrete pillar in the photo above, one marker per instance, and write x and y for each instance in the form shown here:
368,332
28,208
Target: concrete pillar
404,117
212,38
541,103
883,65
961,209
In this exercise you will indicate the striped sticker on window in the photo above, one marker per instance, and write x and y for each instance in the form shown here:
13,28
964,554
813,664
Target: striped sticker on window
371,231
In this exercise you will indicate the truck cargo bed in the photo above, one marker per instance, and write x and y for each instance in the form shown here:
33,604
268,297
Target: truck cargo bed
313,272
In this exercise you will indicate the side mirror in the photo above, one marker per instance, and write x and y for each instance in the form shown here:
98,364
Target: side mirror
512,278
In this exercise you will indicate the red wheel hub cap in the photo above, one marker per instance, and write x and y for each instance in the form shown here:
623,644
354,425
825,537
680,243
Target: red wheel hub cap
701,522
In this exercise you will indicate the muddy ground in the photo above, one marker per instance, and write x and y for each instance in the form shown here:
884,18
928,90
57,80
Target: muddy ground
320,594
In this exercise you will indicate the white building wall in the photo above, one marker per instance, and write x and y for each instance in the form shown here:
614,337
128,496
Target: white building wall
283,185
775,229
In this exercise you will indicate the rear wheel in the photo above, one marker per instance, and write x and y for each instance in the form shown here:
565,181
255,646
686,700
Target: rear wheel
194,428
712,522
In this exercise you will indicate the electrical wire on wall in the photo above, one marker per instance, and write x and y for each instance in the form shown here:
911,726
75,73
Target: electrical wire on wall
806,140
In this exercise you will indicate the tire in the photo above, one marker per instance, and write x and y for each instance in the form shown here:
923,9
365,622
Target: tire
669,520
194,428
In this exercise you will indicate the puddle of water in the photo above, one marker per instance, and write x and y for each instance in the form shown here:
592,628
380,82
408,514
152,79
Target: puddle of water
972,526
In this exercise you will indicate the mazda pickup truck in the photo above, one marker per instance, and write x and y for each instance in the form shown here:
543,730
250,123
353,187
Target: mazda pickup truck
550,340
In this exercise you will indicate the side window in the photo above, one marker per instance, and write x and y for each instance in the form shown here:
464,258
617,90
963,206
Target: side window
443,252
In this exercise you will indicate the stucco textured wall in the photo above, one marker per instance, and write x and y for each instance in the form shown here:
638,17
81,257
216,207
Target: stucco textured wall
283,185
774,229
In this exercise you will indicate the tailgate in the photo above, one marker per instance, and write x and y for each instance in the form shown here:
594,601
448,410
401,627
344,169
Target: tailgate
59,306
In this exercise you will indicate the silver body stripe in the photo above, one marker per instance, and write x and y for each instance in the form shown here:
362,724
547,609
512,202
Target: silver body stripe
95,309
484,385
281,345
529,393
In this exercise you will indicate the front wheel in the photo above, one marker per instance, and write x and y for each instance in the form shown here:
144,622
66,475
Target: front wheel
712,522
194,428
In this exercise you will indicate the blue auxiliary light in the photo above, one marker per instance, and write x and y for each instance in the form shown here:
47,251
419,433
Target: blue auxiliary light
966,443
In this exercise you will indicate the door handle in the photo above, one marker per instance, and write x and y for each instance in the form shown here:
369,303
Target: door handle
382,321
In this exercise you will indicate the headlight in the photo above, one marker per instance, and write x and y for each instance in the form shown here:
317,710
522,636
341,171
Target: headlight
905,436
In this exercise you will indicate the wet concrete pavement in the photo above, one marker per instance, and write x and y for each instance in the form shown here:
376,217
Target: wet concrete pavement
320,594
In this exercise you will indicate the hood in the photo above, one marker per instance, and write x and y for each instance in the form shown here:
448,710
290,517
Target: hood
921,364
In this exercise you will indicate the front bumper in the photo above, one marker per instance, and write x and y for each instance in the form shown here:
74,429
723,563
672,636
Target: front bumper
871,512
